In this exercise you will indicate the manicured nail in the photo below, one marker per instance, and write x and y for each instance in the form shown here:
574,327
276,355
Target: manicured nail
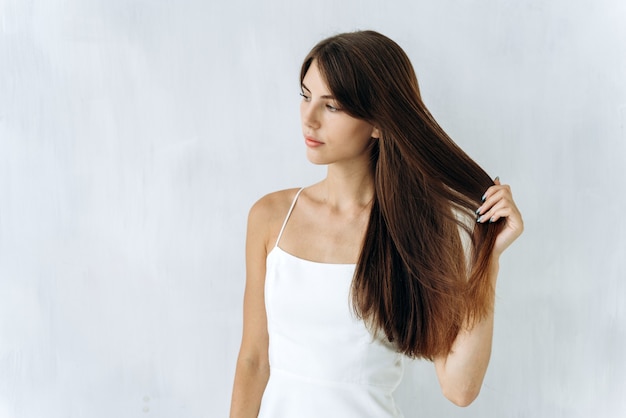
478,210
480,219
484,197
492,220
496,179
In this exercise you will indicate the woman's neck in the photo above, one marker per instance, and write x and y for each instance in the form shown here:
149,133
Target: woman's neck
347,188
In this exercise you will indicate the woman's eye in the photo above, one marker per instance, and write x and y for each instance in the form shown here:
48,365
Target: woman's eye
332,108
305,97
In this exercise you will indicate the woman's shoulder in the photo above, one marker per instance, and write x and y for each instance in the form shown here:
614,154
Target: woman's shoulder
267,215
272,206
275,200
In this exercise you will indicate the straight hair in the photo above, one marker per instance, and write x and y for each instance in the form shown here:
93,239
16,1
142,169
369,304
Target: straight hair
415,280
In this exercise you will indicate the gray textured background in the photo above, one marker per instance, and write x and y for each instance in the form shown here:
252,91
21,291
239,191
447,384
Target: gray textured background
135,135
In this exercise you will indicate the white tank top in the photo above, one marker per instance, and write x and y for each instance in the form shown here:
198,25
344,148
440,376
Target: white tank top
324,363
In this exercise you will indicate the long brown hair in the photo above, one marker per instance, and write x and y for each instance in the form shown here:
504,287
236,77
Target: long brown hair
414,280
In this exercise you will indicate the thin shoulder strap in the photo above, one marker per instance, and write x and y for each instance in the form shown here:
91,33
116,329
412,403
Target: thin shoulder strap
280,234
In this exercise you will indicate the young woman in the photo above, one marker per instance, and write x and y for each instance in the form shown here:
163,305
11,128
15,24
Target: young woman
394,253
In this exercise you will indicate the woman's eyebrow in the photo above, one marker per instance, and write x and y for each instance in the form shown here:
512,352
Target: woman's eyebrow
326,96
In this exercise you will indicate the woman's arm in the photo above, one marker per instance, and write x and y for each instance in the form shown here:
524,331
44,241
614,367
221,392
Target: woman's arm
462,371
252,371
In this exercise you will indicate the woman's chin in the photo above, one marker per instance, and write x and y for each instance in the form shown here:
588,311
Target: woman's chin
315,159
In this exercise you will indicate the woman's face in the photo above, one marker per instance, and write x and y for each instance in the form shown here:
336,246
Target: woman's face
330,134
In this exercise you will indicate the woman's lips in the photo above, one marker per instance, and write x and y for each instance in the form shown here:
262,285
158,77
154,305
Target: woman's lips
312,142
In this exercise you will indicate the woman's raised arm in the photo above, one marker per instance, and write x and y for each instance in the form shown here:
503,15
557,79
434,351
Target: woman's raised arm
462,371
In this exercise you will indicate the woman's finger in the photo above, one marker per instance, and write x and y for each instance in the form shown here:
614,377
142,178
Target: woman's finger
494,195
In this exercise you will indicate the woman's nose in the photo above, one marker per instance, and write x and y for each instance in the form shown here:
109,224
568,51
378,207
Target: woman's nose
309,115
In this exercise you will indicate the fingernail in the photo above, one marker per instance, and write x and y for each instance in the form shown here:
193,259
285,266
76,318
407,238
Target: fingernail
478,210
496,179
484,197
492,220
480,218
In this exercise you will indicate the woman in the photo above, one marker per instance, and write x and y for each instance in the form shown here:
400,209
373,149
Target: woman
394,253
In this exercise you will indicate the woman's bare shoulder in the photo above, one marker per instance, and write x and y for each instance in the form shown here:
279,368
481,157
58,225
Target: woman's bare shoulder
273,204
268,213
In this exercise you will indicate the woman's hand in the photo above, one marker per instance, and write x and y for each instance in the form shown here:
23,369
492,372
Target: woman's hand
498,204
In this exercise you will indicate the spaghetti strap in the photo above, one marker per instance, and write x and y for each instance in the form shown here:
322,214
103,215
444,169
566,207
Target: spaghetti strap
280,234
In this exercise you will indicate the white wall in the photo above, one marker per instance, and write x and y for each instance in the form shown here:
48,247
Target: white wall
135,135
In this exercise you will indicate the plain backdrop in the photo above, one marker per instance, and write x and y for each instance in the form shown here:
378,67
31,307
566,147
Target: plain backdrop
136,134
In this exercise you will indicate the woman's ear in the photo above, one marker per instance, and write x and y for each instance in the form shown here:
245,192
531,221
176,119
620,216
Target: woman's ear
375,133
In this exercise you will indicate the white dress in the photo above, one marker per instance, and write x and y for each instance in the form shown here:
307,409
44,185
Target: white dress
324,363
